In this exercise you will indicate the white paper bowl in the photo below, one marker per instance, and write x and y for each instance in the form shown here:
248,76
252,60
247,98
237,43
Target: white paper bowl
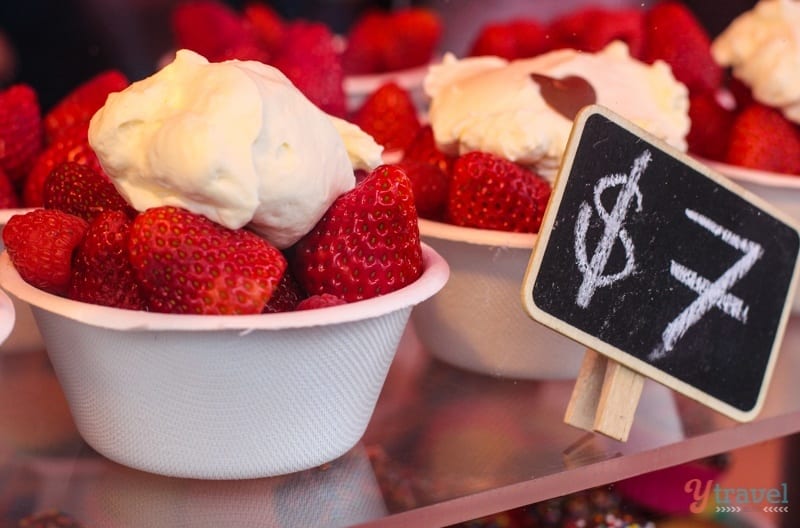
780,190
358,87
25,337
477,321
223,397
7,316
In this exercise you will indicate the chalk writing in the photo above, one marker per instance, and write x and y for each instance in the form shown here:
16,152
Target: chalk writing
593,272
710,294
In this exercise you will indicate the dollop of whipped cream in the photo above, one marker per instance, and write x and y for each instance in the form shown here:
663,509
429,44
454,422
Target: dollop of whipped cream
491,104
234,141
762,48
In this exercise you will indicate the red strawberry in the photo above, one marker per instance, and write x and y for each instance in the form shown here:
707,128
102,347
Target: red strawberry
20,130
593,28
423,148
40,244
388,114
429,184
186,263
101,271
80,190
323,300
71,145
416,32
513,39
675,35
711,126
245,50
267,24
311,61
286,296
489,192
81,103
209,27
761,138
367,243
495,39
8,194
531,37
367,41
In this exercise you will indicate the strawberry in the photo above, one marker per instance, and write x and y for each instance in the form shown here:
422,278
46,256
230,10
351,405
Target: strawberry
323,300
423,148
82,102
495,39
416,32
286,296
266,23
489,192
101,271
41,243
381,41
311,61
211,28
761,138
245,50
711,126
80,190
185,263
429,184
531,37
673,34
513,39
20,130
8,194
367,243
388,114
367,41
593,28
71,145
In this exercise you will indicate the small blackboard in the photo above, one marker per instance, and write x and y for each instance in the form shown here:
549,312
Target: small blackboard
651,259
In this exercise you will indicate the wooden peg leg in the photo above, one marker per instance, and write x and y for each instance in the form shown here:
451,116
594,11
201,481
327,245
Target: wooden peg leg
605,397
622,388
585,398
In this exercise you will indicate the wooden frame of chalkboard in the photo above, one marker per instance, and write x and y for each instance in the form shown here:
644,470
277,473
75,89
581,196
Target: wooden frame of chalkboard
664,266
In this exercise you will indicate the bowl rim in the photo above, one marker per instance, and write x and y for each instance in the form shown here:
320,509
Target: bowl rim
6,214
472,235
434,276
367,83
755,176
8,316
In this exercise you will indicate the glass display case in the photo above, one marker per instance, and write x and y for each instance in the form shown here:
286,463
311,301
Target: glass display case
444,446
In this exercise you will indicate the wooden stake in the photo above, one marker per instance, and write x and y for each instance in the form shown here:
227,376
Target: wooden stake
605,397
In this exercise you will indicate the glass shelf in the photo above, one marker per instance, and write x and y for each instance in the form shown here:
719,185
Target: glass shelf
444,446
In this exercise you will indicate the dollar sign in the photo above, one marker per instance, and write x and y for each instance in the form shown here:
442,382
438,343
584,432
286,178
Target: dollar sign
593,270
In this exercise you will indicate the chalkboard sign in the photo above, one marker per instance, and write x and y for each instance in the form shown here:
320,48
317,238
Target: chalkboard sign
651,259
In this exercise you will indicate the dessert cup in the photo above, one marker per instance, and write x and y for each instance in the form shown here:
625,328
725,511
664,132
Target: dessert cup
780,190
477,321
223,397
25,336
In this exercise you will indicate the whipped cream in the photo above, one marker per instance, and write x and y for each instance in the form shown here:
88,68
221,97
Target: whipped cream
493,105
762,48
234,141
